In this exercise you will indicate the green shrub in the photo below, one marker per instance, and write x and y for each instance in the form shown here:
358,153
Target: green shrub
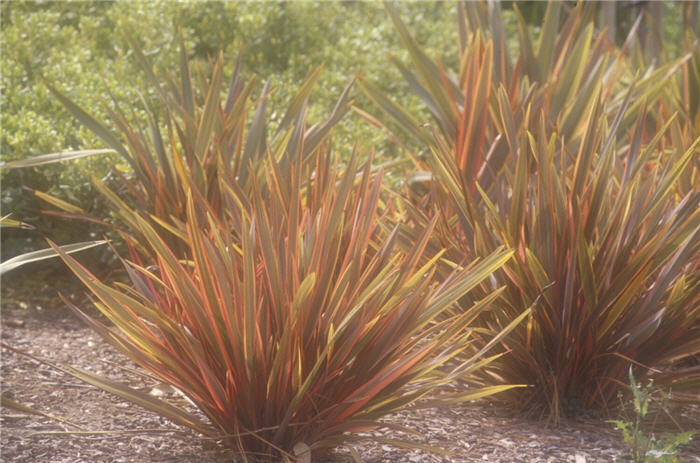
82,47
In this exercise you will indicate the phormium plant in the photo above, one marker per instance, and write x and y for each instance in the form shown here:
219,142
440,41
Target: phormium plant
294,316
617,253
577,175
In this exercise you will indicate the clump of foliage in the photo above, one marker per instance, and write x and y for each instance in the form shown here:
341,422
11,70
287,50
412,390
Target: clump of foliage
619,255
267,283
294,317
648,448
556,155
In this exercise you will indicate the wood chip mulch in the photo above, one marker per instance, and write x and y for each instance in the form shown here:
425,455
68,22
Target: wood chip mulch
103,428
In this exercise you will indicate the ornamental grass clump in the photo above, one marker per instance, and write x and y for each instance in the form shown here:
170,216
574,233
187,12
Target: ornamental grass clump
586,172
294,317
613,252
267,284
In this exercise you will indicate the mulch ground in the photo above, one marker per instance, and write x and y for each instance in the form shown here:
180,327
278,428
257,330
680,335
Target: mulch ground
99,427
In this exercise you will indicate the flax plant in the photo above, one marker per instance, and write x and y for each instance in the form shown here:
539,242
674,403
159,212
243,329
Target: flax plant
581,165
294,317
614,255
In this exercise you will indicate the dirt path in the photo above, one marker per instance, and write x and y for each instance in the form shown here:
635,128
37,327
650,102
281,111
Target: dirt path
473,433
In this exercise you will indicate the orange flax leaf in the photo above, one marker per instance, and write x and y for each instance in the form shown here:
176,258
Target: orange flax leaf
359,398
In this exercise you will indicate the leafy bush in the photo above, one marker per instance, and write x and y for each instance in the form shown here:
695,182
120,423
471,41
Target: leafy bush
45,40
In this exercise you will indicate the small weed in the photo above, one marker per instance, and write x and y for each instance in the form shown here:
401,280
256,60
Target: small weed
649,448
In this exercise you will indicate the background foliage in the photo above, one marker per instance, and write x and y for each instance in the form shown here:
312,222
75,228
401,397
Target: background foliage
83,48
